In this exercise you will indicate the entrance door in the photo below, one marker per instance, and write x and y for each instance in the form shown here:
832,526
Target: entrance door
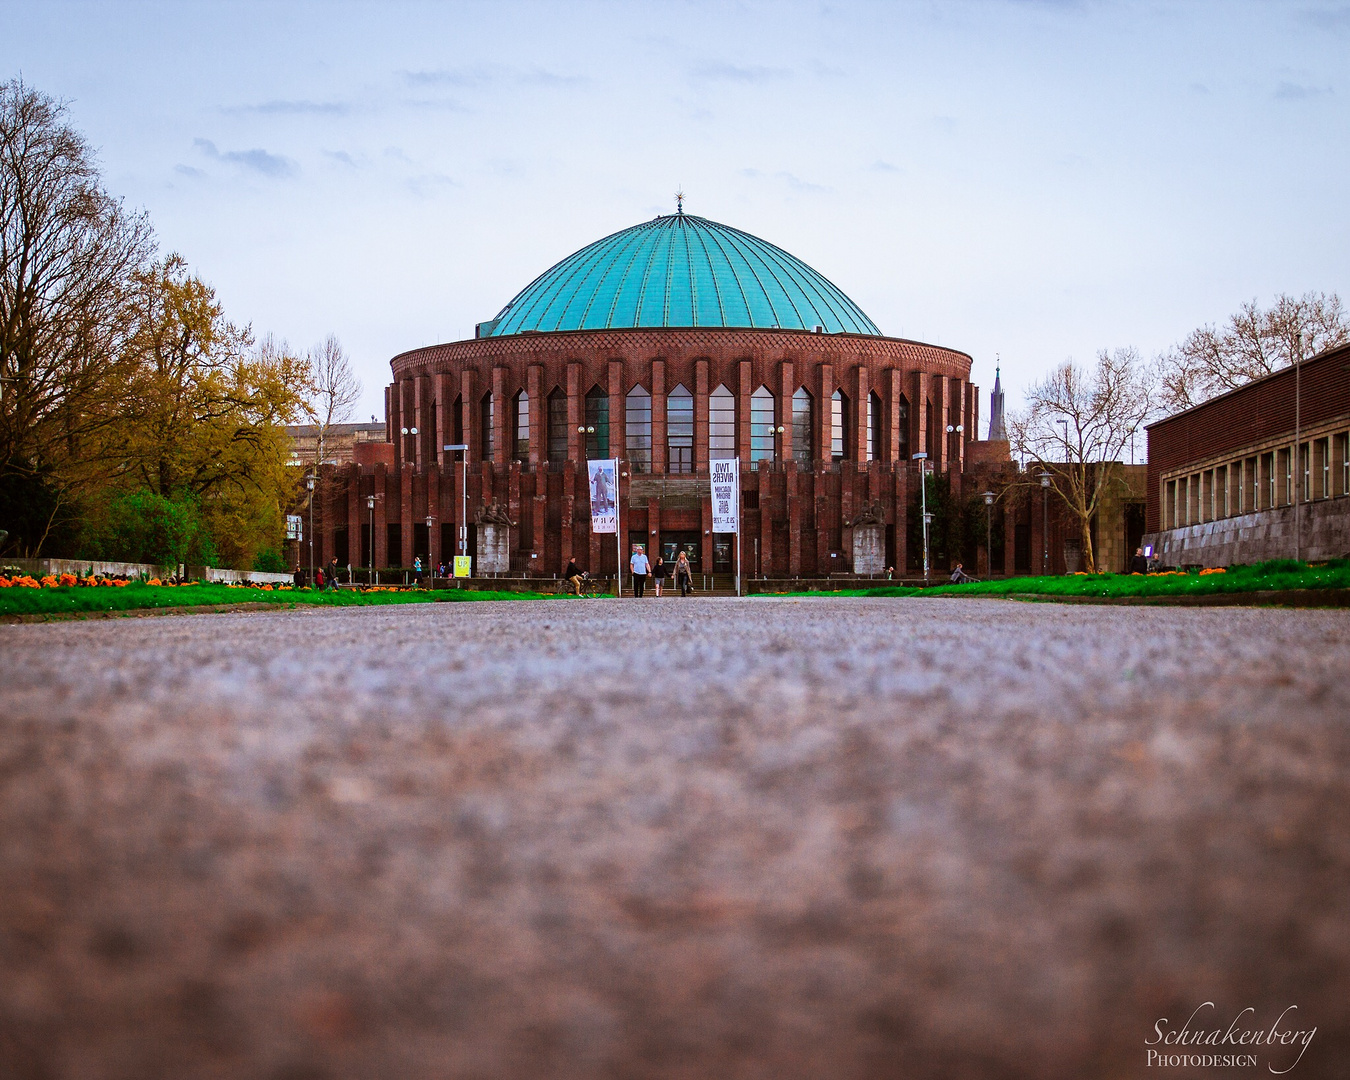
671,542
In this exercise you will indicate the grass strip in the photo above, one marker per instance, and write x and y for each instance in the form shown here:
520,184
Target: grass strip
1283,575
136,596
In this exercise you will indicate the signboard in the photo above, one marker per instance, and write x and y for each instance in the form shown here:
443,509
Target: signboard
604,497
463,566
295,527
726,492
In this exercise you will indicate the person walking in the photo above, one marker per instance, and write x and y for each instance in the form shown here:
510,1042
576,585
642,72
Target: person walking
299,578
640,567
333,574
417,571
659,574
318,579
683,574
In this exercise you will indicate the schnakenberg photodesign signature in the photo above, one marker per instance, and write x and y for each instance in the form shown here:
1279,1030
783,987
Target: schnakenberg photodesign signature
1195,1044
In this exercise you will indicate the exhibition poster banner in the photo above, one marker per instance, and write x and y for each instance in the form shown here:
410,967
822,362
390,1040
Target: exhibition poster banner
604,497
726,489
463,565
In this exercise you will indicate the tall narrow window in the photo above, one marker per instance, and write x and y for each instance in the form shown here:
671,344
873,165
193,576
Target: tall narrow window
521,406
762,436
638,429
557,425
457,422
1345,463
876,438
486,426
680,429
838,426
903,421
803,427
721,424
597,424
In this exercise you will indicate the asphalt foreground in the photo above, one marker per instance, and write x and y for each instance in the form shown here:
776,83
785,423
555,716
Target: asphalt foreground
833,838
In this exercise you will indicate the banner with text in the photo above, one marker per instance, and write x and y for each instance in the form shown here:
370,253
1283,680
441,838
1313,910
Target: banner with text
604,497
726,495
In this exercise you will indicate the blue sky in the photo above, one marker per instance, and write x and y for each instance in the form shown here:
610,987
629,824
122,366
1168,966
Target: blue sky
1031,179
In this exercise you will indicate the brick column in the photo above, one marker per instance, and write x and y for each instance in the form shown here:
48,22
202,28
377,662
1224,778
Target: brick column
405,492
393,407
576,414
617,449
783,443
469,413
356,514
426,450
861,388
917,413
793,486
534,386
937,440
701,391
824,414
445,420
744,388
501,417
659,417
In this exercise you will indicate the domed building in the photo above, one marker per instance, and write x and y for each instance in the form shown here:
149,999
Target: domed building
667,345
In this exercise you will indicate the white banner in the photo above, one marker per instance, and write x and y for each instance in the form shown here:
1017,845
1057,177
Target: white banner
604,497
726,495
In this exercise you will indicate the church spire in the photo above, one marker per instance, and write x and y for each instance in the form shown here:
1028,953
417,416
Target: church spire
996,430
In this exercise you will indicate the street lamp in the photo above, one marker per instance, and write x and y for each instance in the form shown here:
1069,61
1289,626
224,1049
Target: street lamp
370,505
922,459
1298,450
1045,522
989,498
431,569
309,485
463,449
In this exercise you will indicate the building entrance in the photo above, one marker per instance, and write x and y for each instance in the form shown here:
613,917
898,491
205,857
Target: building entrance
671,542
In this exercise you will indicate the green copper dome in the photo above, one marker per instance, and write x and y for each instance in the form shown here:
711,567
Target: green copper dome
679,270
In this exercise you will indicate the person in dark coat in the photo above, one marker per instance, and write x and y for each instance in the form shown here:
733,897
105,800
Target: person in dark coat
1139,564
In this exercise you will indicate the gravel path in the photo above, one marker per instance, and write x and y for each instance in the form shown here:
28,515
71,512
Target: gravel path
702,838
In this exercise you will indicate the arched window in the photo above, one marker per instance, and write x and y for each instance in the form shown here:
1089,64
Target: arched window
521,407
721,423
638,429
680,429
457,421
903,419
597,424
763,439
876,434
486,412
838,426
803,427
557,425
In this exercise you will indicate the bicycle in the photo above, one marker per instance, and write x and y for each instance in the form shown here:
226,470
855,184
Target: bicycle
589,586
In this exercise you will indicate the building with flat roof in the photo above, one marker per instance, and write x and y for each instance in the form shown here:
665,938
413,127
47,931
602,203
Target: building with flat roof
1262,472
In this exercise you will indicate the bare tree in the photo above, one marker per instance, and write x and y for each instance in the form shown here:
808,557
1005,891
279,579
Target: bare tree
1076,425
334,389
1213,360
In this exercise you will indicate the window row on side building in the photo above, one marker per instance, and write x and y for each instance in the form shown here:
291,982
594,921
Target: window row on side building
1262,472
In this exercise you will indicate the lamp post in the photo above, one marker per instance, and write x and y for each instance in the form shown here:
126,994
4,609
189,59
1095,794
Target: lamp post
922,459
309,486
463,449
989,498
431,567
1045,522
1298,450
370,505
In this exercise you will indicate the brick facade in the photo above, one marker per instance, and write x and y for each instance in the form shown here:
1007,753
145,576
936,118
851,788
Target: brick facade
795,517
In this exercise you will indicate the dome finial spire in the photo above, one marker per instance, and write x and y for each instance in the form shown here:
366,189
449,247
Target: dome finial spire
679,201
